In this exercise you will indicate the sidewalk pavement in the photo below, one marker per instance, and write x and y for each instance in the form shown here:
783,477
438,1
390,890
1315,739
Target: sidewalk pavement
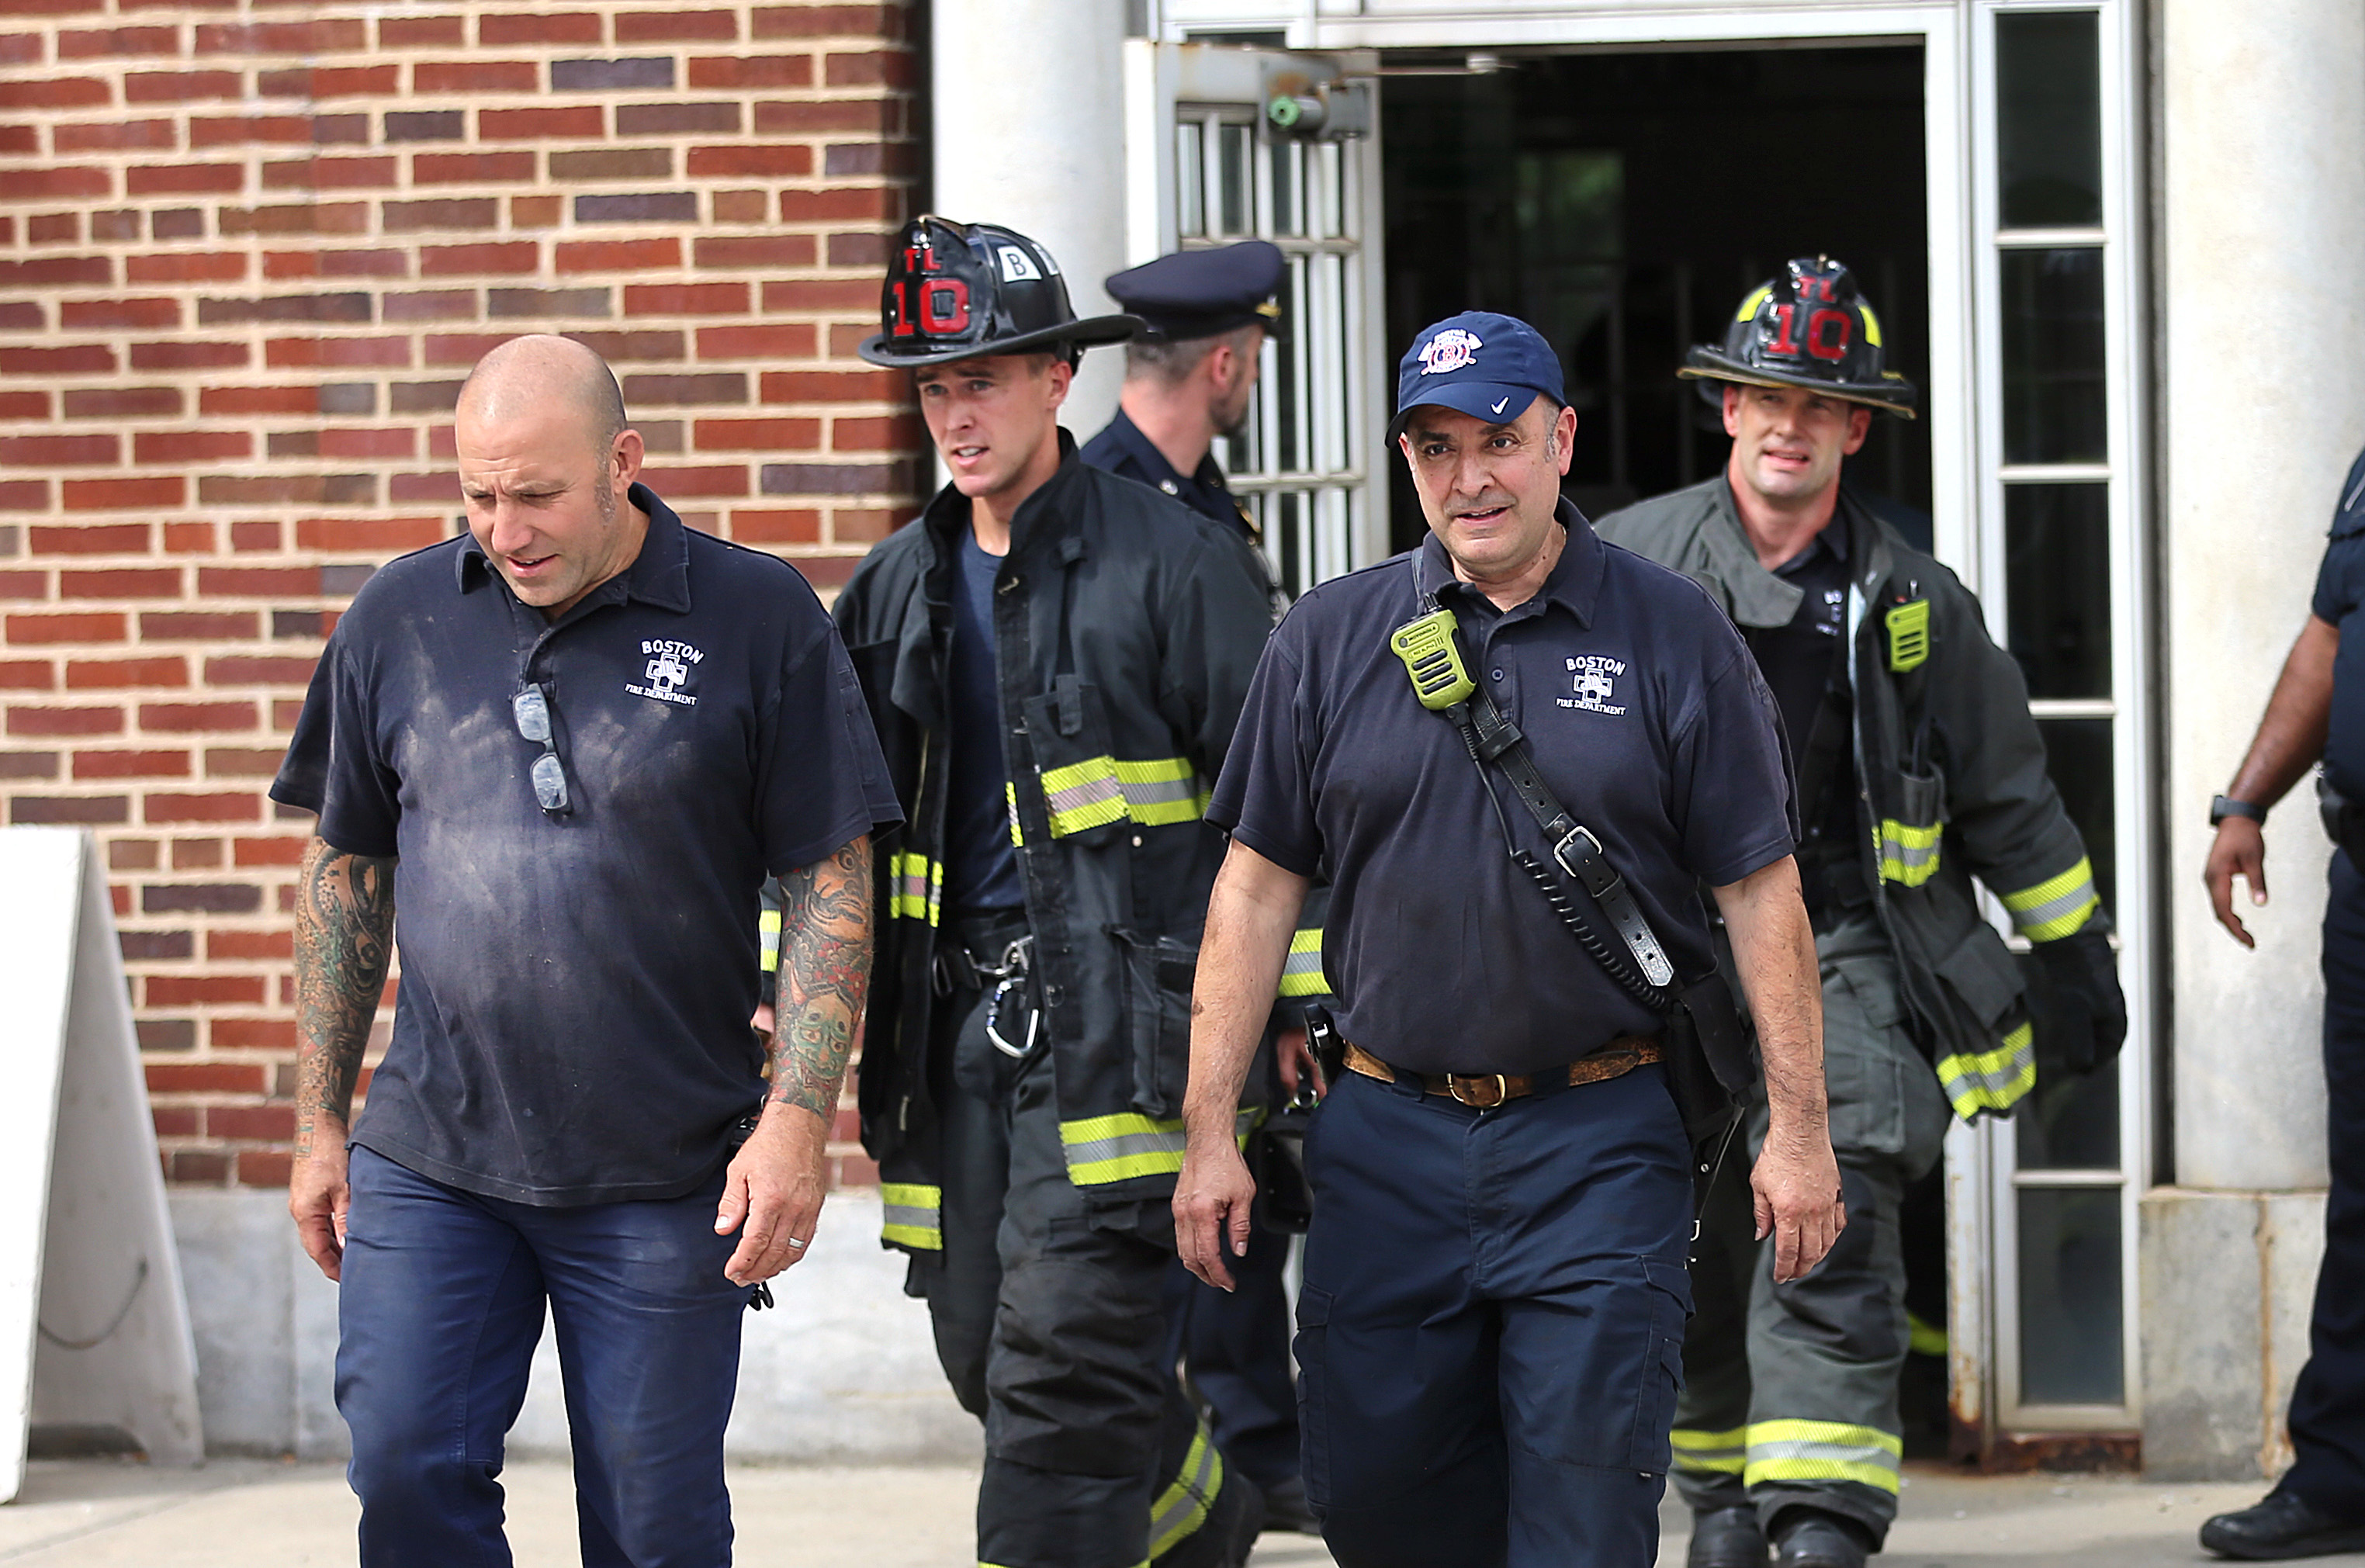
258,1514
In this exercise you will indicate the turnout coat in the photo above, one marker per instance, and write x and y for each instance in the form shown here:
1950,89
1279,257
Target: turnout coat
1949,774
1126,628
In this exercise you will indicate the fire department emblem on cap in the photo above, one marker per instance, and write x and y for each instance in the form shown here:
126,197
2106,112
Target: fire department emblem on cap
1456,348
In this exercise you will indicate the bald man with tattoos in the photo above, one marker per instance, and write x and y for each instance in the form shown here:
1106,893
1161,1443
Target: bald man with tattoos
566,749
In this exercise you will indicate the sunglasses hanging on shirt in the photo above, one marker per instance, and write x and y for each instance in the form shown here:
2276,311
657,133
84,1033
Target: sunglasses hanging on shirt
531,709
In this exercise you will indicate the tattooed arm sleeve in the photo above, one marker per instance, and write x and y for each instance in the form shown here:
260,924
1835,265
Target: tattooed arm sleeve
824,974
344,937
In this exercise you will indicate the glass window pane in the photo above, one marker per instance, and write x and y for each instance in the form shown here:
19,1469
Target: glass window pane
2071,1349
2058,587
2053,381
1288,163
2069,1123
1190,180
1328,193
1284,539
1290,455
2078,756
2049,120
1231,203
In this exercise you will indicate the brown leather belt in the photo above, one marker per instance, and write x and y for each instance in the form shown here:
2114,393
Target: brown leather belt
1486,1091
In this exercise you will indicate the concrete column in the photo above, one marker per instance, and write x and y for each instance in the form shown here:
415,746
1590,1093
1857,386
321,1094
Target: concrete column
2263,242
1028,98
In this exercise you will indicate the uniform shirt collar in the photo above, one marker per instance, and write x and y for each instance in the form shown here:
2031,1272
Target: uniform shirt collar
1575,583
659,574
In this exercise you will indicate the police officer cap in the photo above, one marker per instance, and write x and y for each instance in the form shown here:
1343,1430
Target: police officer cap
1197,294
1488,366
964,290
1809,328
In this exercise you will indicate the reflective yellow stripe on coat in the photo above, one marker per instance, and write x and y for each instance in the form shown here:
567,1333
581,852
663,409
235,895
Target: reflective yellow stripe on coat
1301,974
767,939
1990,1081
1908,852
1711,1453
1119,1147
918,887
1102,790
2057,906
915,1215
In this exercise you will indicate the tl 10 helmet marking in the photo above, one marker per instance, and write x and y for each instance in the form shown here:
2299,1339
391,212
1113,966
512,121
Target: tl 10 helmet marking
1808,329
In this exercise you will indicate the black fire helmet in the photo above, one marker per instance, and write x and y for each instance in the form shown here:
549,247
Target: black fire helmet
1808,328
964,290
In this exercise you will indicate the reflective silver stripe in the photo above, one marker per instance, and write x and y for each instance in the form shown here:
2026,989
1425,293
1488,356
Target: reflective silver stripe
1182,1506
1822,1450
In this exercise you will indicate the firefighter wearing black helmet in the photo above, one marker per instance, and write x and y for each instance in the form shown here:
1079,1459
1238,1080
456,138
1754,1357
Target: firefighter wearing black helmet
1919,769
1054,658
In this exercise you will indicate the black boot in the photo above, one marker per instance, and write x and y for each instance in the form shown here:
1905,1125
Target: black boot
1726,1538
2282,1525
1809,1537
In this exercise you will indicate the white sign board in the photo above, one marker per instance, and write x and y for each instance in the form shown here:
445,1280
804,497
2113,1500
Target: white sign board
93,1325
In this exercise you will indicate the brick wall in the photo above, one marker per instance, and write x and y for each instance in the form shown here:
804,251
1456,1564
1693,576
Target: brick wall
247,252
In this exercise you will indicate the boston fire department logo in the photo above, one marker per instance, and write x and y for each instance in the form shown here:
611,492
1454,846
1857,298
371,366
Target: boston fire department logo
1452,349
669,670
1595,677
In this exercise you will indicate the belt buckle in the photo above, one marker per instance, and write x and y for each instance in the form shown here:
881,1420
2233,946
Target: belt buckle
1560,850
1455,1081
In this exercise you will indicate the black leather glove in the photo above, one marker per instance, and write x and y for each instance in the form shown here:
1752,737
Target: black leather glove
2079,1012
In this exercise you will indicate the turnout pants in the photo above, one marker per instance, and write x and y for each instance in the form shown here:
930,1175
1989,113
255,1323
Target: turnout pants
2327,1406
1491,1324
439,1313
1049,1328
1790,1390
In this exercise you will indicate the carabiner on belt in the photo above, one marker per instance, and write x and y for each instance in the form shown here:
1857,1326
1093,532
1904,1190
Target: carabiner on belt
1010,975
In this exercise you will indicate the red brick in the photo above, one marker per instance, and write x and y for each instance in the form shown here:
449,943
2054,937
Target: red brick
536,123
866,68
85,626
122,495
71,182
331,173
123,582
443,486
106,539
230,130
844,204
475,77
24,495
258,669
347,35
223,400
755,252
265,944
367,533
31,92
64,722
261,1167
242,807
266,851
46,451
868,116
49,269
686,299
299,217
391,442
258,582
827,571
187,356
900,433
189,537
724,480
535,211
253,1034
274,1124
566,27
470,168
155,179
196,991
98,43
305,353
761,160
828,21
156,447
185,1165
336,263
27,675
131,765
179,718
185,266
23,405
729,71
207,1078
24,585
342,82
422,32
197,625
677,27
255,535
182,86
776,527
508,258
105,136
742,206
138,315
758,435
111,675
834,387
616,255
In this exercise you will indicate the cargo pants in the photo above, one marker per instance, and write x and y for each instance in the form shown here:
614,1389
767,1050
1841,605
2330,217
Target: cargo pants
1790,1390
1049,1328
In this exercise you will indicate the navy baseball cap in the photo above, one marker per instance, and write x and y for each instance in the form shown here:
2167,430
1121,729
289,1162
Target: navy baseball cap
1488,366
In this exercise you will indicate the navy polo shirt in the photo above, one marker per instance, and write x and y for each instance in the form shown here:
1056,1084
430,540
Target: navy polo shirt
572,1024
2339,598
1648,718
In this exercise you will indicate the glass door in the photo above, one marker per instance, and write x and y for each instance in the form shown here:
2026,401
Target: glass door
2062,575
1241,143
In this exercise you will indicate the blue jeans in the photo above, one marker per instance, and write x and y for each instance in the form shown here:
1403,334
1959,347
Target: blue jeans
439,1313
1491,1334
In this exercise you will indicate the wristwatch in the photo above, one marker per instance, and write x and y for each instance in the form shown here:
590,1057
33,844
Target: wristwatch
2223,806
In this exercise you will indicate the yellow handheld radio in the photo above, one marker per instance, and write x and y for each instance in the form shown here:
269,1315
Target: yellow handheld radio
1432,659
